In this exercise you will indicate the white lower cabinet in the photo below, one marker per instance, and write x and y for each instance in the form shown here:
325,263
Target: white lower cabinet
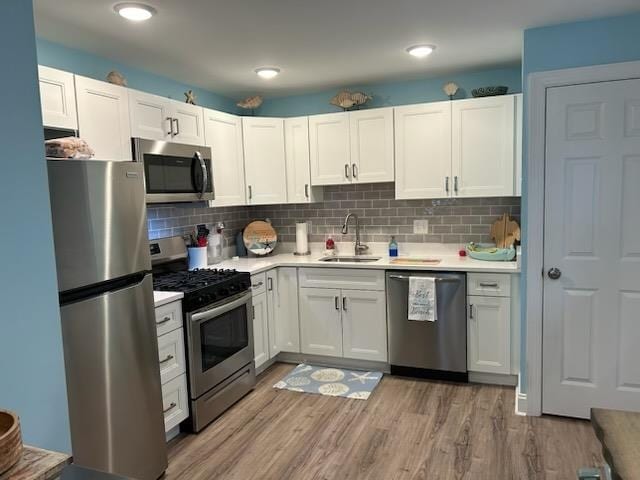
364,325
489,327
171,357
260,330
321,321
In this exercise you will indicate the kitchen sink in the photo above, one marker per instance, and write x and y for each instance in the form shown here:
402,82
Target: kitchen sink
350,259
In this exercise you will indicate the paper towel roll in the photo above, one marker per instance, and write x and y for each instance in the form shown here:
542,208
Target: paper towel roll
302,240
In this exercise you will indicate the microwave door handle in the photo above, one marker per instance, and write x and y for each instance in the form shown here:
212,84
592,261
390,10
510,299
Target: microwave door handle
205,174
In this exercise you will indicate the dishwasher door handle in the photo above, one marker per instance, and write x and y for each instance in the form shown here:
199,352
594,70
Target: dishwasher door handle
437,279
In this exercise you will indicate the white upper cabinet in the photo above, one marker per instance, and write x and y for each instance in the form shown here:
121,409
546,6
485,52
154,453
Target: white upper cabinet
330,149
57,98
264,160
423,150
371,133
483,148
296,138
103,118
158,118
223,133
517,188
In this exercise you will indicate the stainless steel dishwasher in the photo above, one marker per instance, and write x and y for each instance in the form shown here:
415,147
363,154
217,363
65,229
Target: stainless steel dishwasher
437,349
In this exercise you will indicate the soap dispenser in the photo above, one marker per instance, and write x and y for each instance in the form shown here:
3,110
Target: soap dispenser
393,247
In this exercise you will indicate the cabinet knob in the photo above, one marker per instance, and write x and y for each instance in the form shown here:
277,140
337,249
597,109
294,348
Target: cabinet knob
554,273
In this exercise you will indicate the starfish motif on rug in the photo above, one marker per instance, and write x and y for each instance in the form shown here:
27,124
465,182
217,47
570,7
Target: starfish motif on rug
362,378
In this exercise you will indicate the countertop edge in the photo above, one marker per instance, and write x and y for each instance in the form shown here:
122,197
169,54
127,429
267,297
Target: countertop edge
164,298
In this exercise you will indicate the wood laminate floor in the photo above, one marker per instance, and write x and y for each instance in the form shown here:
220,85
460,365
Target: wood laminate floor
408,429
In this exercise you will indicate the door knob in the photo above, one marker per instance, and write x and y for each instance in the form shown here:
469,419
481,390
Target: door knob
554,273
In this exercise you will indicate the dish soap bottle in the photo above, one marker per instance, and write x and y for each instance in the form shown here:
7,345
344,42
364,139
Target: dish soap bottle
393,247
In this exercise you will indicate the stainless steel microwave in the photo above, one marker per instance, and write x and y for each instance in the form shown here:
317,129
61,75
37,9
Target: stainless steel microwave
174,172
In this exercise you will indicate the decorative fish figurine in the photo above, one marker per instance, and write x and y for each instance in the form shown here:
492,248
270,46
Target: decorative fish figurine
116,78
250,102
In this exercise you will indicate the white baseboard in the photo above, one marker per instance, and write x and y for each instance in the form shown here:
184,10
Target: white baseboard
521,402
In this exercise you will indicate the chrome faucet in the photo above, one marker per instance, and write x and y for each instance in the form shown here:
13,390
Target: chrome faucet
360,248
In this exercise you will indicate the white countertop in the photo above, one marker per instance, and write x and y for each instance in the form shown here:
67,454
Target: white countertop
162,298
447,262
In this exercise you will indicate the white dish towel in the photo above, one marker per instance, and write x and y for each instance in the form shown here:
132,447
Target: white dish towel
422,299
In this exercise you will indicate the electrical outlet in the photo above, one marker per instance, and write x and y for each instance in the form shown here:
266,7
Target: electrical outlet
421,226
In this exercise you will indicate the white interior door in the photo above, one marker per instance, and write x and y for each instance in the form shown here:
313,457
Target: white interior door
223,133
591,326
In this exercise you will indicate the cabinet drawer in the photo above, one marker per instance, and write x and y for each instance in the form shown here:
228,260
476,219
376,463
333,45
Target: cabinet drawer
347,279
489,284
168,317
171,355
259,283
175,402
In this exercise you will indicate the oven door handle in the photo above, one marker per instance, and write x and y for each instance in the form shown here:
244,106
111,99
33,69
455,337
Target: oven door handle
217,311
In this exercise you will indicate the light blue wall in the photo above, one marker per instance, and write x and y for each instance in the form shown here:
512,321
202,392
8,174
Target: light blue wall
395,93
88,65
32,381
600,41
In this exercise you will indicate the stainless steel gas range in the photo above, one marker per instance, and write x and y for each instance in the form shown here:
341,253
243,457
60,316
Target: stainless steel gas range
217,316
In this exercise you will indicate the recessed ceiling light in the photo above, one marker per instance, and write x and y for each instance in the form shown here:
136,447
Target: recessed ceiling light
421,51
267,72
136,12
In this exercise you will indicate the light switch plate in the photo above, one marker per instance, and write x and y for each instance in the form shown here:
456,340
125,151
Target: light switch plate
421,226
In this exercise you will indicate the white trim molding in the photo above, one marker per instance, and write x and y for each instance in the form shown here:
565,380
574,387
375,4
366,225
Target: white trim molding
537,85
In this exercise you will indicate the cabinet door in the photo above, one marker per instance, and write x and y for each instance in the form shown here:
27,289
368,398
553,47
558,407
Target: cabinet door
57,98
489,334
103,118
330,149
320,321
260,330
483,146
517,188
371,134
284,327
188,123
150,116
223,133
296,140
364,325
423,150
264,160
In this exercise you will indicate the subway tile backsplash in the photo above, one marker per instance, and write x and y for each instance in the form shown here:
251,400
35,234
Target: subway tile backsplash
451,220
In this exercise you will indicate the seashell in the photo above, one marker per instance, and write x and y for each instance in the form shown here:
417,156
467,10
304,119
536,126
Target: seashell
250,102
342,99
450,89
360,98
190,97
116,78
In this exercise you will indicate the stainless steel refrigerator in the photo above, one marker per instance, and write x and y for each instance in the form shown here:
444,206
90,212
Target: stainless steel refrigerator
107,313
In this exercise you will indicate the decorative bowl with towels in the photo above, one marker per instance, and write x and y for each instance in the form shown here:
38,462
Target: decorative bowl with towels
490,252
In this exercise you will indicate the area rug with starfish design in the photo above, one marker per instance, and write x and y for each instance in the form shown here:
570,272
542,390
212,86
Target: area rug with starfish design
335,382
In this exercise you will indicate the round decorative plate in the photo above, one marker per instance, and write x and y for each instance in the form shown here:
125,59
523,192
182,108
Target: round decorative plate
260,238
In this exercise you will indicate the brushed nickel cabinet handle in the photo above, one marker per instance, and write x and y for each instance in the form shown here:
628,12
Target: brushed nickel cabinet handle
336,302
489,285
471,311
346,171
354,169
446,184
163,321
455,184
177,126
170,132
171,406
257,285
269,284
344,303
306,190
167,358
250,193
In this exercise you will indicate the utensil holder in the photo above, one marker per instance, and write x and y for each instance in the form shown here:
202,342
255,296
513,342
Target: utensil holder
197,257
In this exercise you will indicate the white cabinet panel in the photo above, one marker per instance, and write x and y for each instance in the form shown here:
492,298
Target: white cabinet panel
264,160
260,330
423,150
272,311
330,149
483,148
320,321
103,118
517,188
188,123
296,137
168,317
356,279
371,134
57,98
150,116
489,334
175,402
364,325
223,133
171,355
284,326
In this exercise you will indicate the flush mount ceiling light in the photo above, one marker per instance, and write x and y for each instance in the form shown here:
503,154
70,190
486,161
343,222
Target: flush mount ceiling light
421,51
136,12
267,72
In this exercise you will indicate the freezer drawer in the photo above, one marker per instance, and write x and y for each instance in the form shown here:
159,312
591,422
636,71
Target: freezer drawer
439,346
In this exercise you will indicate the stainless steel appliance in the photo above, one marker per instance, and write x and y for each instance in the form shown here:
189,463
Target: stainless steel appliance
174,172
218,317
428,349
107,313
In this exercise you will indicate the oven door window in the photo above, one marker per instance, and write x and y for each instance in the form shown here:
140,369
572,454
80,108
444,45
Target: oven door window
167,174
223,336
